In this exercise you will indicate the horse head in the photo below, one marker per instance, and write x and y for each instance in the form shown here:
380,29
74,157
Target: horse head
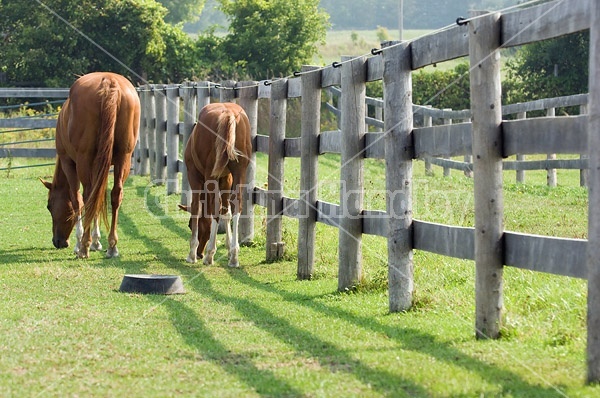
63,215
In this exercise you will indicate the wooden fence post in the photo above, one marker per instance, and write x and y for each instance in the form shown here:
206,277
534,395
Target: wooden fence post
248,96
593,245
172,138
428,122
202,95
309,159
551,173
189,119
160,148
353,83
151,126
275,180
399,153
486,105
468,158
143,166
521,173
583,173
447,121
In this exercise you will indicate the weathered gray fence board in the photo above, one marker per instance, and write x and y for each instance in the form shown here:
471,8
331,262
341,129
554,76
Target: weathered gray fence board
451,164
374,68
11,92
565,164
442,46
446,140
543,135
292,147
261,144
558,256
28,123
330,142
546,103
457,242
544,22
329,213
374,145
375,222
27,152
294,88
290,207
260,197
331,77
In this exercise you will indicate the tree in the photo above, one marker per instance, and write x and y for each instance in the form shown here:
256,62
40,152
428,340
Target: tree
271,38
182,10
51,45
548,69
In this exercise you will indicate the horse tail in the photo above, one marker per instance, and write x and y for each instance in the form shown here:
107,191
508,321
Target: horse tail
225,142
96,202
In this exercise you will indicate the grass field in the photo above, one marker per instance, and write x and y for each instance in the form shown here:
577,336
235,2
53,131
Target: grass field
256,331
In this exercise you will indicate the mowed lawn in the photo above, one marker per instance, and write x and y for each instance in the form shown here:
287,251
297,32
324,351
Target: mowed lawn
66,330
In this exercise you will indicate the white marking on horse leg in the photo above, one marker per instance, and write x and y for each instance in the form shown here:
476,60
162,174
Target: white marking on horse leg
78,234
234,250
96,245
211,247
227,219
194,243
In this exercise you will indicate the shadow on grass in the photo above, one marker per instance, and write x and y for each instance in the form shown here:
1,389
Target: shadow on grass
196,334
410,339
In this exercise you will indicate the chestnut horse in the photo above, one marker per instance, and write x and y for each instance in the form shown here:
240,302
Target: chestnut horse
216,157
97,127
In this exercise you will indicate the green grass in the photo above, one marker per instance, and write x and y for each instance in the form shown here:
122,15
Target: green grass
257,331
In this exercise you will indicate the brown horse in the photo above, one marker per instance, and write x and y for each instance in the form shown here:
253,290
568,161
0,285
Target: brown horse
97,127
217,156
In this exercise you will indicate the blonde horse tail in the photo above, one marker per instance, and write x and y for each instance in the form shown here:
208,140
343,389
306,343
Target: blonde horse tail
225,142
96,203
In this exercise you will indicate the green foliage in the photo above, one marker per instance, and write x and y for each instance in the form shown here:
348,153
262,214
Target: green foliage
548,69
182,10
50,45
443,88
271,38
127,37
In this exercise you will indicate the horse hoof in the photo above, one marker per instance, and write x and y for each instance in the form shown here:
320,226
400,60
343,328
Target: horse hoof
81,254
112,252
234,265
96,247
191,260
207,261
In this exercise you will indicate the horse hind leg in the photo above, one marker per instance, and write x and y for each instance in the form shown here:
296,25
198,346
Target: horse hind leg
96,245
78,234
211,247
234,247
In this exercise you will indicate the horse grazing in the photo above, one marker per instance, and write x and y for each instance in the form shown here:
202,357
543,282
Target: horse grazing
216,157
97,127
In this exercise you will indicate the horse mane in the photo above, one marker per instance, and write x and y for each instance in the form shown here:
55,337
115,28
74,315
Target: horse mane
225,142
96,203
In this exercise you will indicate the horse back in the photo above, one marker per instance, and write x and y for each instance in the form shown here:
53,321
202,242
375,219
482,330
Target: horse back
80,120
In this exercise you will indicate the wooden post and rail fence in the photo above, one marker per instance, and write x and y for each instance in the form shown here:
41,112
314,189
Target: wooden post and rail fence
485,136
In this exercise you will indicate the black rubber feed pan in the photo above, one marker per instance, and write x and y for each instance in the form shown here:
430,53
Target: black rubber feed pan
152,284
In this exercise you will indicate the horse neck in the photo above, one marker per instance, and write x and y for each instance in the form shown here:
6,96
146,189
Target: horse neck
60,178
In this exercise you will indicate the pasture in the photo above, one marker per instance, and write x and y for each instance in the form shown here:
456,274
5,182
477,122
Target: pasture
257,331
